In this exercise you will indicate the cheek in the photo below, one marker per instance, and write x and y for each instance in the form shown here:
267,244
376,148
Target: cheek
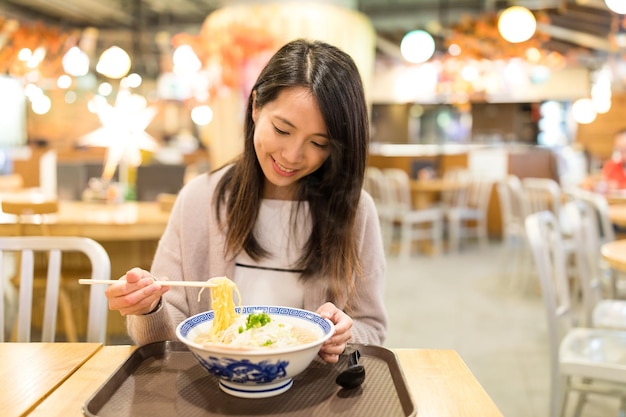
321,159
258,145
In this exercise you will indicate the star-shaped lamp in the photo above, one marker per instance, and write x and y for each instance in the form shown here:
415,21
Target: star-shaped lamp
122,133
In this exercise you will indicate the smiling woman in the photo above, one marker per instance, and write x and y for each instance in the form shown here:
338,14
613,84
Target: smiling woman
283,219
290,140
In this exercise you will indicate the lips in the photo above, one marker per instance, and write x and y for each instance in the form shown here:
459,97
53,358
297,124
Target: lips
281,169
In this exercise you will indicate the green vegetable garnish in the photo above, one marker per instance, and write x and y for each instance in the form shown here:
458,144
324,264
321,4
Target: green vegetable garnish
256,320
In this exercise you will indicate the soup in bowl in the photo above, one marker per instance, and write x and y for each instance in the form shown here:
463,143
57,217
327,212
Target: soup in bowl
261,358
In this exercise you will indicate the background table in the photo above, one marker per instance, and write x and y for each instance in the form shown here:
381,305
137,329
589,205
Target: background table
440,383
427,191
614,253
129,221
617,214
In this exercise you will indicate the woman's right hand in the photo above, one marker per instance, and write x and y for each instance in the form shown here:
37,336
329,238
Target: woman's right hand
137,292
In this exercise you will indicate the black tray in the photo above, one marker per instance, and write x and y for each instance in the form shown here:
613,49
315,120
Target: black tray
164,379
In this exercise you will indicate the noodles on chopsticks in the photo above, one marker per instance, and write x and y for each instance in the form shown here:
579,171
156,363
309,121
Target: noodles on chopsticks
223,305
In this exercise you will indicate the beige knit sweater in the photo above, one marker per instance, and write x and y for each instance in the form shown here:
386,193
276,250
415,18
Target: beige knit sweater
192,248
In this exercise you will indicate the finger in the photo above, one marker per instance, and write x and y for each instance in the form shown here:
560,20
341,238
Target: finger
123,287
136,300
335,349
329,357
339,338
136,274
143,305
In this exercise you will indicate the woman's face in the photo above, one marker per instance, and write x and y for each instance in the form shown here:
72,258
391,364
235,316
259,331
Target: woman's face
290,140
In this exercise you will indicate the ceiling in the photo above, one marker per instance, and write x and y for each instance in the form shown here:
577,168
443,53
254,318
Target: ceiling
580,24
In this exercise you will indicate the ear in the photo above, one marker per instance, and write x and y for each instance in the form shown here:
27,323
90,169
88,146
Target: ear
254,109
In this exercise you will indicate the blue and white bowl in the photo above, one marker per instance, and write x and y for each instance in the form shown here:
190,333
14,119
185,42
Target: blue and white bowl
260,372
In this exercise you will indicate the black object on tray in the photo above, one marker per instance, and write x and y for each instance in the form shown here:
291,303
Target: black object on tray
164,379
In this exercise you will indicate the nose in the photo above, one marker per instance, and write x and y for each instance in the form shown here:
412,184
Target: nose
293,152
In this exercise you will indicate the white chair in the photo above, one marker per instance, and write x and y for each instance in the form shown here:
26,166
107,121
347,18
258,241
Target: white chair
513,212
374,184
606,233
27,246
542,194
425,224
597,310
467,216
546,194
580,357
601,206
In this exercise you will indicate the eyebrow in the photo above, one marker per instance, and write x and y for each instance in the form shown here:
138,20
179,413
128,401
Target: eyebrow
287,122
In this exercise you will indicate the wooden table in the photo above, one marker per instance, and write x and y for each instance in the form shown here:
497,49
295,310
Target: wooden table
440,383
614,253
426,191
102,222
616,197
617,214
29,372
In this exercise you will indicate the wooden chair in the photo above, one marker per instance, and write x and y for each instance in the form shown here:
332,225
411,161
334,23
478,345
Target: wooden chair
27,246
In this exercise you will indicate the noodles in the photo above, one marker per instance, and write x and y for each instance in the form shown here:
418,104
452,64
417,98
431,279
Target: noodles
273,334
223,305
254,330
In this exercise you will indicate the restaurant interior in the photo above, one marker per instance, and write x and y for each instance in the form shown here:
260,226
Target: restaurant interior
491,122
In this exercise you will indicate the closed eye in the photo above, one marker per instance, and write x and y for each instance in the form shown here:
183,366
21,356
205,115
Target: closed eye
280,132
320,145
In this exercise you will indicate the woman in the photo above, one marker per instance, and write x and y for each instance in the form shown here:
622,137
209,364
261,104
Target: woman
287,221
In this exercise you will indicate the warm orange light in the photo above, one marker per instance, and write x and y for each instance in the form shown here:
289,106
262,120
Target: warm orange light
517,24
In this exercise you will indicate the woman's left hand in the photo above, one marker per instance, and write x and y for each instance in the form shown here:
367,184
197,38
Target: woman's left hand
335,346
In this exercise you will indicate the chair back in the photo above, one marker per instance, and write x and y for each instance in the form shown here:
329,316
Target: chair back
373,183
397,189
458,196
479,192
542,194
549,255
582,218
27,246
601,207
512,205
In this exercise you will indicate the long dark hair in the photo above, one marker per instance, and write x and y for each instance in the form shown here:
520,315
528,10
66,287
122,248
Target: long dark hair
333,190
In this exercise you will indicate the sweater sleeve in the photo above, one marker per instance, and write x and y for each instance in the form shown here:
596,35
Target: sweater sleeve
181,254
